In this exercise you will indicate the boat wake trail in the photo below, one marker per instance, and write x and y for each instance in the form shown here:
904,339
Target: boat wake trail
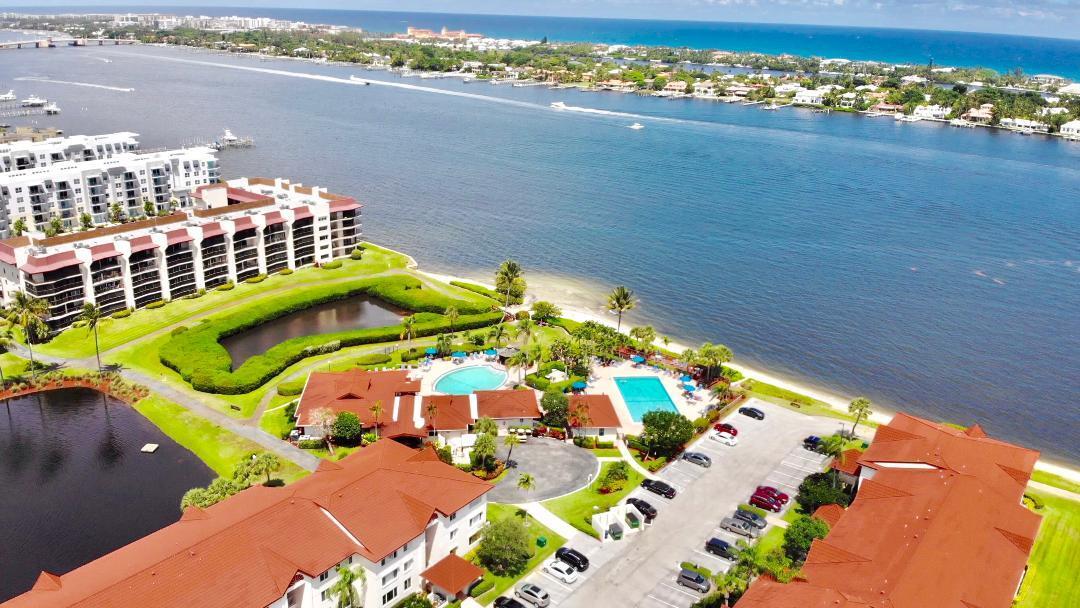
75,84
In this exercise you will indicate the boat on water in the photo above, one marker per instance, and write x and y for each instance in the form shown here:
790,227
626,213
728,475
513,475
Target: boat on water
354,78
637,126
960,122
52,108
558,105
34,102
1026,131
905,118
9,96
770,106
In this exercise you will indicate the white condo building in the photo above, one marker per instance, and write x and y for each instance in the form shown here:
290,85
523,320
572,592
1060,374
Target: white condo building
226,232
65,177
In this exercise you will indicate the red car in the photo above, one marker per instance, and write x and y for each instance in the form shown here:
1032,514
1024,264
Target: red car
764,502
724,427
773,493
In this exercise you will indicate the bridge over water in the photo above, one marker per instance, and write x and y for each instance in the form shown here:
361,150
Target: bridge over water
49,43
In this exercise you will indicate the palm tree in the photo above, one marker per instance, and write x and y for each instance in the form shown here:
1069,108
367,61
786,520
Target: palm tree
497,334
432,412
451,313
376,411
525,327
509,442
443,344
509,271
713,356
344,590
5,345
91,314
526,483
520,360
407,330
860,408
29,313
621,300
833,447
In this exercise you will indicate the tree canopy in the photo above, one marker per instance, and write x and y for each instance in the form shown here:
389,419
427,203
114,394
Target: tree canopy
665,432
504,547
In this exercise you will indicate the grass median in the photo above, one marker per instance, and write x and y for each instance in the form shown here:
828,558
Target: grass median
496,512
578,508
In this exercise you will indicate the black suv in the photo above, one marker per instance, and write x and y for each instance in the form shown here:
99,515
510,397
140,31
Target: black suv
658,487
507,602
646,509
721,548
573,557
751,518
752,412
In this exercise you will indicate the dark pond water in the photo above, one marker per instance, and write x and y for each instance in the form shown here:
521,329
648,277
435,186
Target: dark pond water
329,317
74,485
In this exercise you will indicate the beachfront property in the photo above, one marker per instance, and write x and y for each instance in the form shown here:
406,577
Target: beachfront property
814,97
593,415
228,232
937,521
400,516
982,115
1023,124
931,112
63,178
1071,129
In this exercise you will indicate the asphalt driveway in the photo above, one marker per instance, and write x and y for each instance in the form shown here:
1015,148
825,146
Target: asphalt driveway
558,468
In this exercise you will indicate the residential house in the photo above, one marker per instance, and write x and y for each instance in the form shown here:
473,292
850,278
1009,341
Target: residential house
932,112
705,88
593,416
1071,129
814,97
982,115
788,88
849,100
1023,124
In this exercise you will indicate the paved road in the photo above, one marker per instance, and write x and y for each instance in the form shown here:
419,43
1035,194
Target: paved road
557,467
644,573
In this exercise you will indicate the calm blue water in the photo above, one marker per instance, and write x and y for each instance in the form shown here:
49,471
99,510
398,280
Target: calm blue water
930,268
644,395
995,51
468,380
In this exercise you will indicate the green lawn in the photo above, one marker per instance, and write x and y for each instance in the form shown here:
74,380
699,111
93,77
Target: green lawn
783,397
771,540
276,420
1057,481
536,529
13,365
217,447
607,453
578,508
1055,559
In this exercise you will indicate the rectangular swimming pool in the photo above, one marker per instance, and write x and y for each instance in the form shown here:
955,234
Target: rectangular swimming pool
644,394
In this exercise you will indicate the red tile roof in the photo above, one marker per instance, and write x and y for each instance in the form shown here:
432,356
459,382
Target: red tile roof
142,243
100,252
178,236
507,404
600,411
848,462
452,412
453,574
829,514
356,391
247,550
49,263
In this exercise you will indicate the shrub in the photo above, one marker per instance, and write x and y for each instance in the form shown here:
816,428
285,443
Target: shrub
484,291
556,408
226,286
311,444
820,489
701,425
588,443
347,427
178,330
356,254
605,445
415,601
753,509
369,438
521,315
691,566
481,588
155,304
799,535
373,359
122,314
445,454
195,296
333,265
285,271
666,432
291,387
259,278
504,547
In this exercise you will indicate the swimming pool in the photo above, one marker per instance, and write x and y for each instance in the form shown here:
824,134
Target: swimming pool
466,380
644,394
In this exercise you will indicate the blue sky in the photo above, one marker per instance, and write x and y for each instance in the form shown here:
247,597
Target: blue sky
1056,18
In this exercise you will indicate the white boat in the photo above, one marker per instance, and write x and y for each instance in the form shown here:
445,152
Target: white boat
9,96
905,118
558,105
34,102
770,106
52,108
960,122
358,79
636,126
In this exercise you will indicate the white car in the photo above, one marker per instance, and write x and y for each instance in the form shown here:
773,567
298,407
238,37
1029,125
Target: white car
522,436
725,438
561,570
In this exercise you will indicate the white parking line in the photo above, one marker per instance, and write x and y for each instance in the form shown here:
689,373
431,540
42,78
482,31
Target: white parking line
795,477
781,483
556,581
709,555
653,597
682,591
801,456
800,466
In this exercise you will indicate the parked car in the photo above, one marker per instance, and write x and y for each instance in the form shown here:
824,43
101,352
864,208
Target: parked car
507,602
533,594
812,443
721,548
523,436
724,438
752,412
764,502
573,557
724,427
697,458
561,571
740,527
658,487
773,492
644,507
693,580
751,518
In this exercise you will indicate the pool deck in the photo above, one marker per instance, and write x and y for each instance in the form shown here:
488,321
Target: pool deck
603,383
430,374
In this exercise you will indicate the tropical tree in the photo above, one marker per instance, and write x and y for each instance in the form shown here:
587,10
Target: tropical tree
509,442
5,345
645,335
620,301
91,315
265,464
452,314
29,313
713,357
432,410
324,418
504,547
486,426
443,344
800,534
860,408
526,328
407,327
520,361
19,227
526,483
497,334
344,589
545,311
581,416
376,410
347,428
555,406
483,451
665,432
509,272
86,221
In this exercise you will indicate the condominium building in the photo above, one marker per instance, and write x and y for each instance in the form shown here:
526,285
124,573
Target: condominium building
398,516
227,232
101,176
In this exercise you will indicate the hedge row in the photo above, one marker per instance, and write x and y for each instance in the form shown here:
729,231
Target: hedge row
201,360
291,387
540,382
484,291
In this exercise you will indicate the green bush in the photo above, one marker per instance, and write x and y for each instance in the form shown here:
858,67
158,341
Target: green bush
332,265
291,387
311,444
259,278
373,359
155,304
347,428
285,271
753,509
178,330
605,445
703,571
226,286
121,314
482,587
701,425
484,291
356,254
819,489
201,360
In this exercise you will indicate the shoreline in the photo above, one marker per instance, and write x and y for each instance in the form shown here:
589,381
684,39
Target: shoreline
837,401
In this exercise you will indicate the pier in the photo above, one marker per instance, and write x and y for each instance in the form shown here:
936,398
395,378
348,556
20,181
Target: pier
50,43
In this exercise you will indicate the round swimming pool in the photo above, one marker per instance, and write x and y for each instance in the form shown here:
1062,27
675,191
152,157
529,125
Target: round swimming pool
469,379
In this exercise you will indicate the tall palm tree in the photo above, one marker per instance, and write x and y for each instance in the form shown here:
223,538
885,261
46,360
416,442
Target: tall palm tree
620,301
29,313
451,313
432,412
508,272
520,360
344,590
376,411
509,442
91,314
860,408
833,447
5,345
525,327
526,483
407,327
713,356
497,334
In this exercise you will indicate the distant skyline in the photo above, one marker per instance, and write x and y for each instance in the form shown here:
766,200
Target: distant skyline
1054,18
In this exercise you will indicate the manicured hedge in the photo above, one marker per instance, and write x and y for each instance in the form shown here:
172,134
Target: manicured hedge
482,587
292,387
200,359
121,314
373,359
334,265
484,291
540,382
259,278
155,304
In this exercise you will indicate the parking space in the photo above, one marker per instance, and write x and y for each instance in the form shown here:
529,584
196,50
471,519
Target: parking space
599,555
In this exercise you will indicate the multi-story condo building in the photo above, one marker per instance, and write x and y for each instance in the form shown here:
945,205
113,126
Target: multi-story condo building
63,178
397,515
228,232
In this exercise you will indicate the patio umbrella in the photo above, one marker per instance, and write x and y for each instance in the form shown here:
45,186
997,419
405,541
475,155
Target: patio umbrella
579,385
686,379
491,352
637,359
458,355
431,350
689,387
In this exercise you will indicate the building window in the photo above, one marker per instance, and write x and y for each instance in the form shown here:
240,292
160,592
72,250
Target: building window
408,565
407,583
452,517
325,595
324,576
453,533
475,519
389,576
601,432
389,596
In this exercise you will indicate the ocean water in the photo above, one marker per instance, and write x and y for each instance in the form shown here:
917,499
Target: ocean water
996,51
933,269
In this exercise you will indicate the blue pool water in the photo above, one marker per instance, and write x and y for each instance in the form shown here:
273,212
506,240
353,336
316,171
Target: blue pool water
469,379
643,395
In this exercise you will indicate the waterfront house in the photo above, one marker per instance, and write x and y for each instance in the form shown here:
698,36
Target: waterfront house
932,112
593,416
937,521
788,88
674,88
887,108
982,115
398,515
849,100
814,97
1071,129
1023,124
739,90
705,88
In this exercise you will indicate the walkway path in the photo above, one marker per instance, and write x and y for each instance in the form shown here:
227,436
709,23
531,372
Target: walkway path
628,457
540,513
1059,492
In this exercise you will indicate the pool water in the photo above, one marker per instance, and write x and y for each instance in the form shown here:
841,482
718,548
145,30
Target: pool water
643,395
466,380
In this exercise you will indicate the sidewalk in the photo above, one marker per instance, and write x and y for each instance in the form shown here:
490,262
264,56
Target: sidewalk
625,451
540,513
